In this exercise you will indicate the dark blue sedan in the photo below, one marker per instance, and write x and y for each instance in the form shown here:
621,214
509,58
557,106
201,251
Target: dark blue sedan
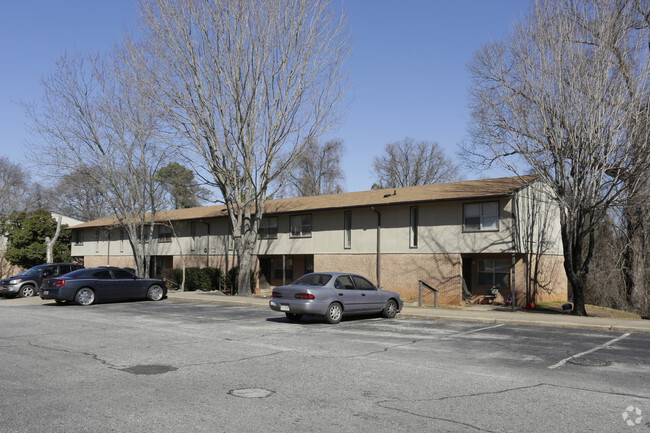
104,284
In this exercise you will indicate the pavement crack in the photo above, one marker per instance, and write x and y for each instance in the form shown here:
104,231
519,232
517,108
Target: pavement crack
248,358
94,356
374,352
436,418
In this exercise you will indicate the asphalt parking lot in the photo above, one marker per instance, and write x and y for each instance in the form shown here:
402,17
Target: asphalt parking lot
179,366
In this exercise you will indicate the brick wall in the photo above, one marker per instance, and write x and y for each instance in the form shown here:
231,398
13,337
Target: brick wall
401,272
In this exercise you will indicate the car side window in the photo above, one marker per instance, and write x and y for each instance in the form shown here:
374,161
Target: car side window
101,275
50,271
121,274
64,269
344,282
362,283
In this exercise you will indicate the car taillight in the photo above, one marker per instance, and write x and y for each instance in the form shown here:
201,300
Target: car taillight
59,283
276,295
304,296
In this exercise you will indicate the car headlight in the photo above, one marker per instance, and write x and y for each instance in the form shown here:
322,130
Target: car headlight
15,281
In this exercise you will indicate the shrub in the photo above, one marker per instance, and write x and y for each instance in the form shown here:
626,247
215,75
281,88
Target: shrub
232,280
204,279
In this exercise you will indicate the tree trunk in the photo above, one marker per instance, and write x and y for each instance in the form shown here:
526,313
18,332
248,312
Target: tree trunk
49,243
634,258
245,266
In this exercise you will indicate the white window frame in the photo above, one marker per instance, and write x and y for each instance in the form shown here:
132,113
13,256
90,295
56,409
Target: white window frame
347,229
485,216
414,223
298,228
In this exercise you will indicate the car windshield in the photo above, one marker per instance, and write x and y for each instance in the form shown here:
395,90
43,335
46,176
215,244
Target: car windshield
313,280
31,272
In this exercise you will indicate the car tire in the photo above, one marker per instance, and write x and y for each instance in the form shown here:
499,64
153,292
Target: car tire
390,309
85,297
293,317
61,301
26,291
334,313
155,293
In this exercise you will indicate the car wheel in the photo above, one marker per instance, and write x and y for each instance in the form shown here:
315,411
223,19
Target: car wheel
334,313
155,293
293,317
61,301
85,297
26,291
390,310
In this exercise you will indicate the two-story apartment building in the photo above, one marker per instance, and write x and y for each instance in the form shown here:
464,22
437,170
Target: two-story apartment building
462,238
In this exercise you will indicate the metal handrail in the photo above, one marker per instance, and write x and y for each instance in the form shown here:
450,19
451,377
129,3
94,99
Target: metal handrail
435,294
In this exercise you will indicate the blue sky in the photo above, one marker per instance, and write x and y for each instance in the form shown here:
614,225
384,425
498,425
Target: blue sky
408,70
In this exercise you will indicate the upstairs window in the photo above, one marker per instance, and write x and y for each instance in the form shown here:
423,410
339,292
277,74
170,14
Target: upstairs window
413,229
347,229
301,226
481,216
78,237
268,228
164,234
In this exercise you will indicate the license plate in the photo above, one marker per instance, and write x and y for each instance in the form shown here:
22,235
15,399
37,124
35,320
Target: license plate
284,308
46,292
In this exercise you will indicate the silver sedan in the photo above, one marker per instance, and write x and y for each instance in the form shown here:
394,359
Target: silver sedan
332,295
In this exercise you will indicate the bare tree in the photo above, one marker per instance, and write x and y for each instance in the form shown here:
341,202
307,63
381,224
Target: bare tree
410,162
14,186
95,123
245,84
76,197
564,95
317,170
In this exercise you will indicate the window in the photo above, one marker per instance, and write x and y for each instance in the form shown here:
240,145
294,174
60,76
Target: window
362,283
344,282
122,274
192,236
494,273
347,229
164,234
413,228
78,237
268,228
301,226
288,271
309,265
100,275
481,216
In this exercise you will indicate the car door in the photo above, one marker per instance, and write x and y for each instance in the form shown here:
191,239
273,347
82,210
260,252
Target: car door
347,293
370,298
101,281
129,286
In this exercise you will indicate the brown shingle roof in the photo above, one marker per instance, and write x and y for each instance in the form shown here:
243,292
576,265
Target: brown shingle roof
466,190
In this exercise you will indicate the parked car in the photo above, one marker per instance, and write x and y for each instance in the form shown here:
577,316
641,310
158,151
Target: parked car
26,283
103,284
333,295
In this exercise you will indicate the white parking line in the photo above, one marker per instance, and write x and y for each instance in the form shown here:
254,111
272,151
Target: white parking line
473,330
609,343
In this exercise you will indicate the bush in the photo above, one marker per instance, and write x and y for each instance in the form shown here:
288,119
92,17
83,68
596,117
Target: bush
203,279
232,280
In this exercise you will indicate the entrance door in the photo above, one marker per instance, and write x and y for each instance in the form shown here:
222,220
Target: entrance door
266,270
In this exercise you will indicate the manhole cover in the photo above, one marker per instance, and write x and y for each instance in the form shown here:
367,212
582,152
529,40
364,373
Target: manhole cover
590,362
150,369
251,393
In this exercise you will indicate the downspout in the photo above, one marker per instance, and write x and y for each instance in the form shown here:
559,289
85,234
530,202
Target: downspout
378,246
